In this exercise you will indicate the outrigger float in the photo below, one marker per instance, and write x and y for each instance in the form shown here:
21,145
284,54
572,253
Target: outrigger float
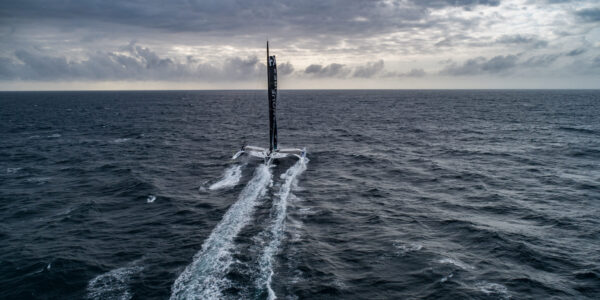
274,152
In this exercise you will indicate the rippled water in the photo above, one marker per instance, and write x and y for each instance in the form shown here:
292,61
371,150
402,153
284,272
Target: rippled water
404,194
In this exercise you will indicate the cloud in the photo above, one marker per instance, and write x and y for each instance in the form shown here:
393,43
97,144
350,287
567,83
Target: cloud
589,14
369,70
459,3
136,62
502,65
218,41
540,60
327,22
415,72
480,65
596,64
576,52
331,70
533,41
285,68
131,62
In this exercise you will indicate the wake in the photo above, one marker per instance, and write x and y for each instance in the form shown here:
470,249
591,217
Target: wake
231,178
113,284
205,278
277,227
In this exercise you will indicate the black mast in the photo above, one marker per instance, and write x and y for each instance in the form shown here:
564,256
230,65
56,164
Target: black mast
272,85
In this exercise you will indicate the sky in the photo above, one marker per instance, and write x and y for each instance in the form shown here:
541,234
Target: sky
337,44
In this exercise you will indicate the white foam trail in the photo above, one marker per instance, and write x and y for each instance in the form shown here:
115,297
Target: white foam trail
113,284
231,177
278,225
204,278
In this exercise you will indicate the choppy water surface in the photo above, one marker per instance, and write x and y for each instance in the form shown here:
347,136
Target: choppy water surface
404,194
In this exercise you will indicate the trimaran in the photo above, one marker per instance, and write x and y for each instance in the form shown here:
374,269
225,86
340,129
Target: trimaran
274,152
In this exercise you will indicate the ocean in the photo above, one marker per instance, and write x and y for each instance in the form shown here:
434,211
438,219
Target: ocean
403,194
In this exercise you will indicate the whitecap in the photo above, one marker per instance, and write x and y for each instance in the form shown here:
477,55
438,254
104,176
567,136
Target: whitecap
56,135
12,170
231,177
403,248
121,140
305,211
38,180
151,198
490,288
445,278
113,284
456,262
205,277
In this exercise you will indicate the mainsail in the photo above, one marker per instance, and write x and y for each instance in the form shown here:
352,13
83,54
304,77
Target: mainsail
273,152
272,79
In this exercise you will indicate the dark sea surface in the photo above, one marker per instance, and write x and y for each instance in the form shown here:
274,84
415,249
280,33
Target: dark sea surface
403,195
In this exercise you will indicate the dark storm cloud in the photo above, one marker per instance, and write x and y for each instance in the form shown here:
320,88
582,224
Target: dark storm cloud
312,26
589,14
131,62
213,40
459,3
238,16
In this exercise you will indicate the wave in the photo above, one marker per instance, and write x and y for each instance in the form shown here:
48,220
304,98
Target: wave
204,278
113,284
13,170
490,288
278,226
231,177
151,198
120,140
456,263
579,129
403,248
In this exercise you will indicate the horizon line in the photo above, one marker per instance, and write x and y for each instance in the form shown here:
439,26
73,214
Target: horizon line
315,89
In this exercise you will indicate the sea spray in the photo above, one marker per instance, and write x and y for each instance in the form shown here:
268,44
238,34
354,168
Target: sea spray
205,278
230,178
278,226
